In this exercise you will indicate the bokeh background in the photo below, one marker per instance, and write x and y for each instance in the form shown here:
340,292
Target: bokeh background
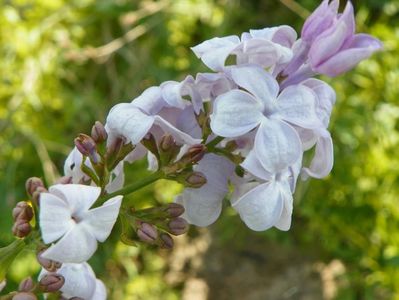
64,64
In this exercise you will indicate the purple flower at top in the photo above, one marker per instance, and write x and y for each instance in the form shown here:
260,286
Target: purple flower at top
335,48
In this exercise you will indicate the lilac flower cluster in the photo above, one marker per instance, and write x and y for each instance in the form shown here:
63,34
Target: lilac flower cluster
243,128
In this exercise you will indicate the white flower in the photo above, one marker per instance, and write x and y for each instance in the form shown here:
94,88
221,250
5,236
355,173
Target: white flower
80,281
277,144
66,217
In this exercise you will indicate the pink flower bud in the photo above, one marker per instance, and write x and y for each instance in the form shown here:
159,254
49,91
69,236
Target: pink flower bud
51,282
178,226
32,184
21,228
48,264
22,211
147,233
26,285
98,132
24,296
195,154
166,241
195,180
87,146
174,210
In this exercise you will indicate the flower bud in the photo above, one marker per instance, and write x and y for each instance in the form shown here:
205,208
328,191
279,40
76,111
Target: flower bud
174,210
195,180
167,142
21,228
98,132
22,211
147,233
87,146
24,296
194,154
32,184
150,143
178,226
48,264
26,285
166,241
168,149
51,282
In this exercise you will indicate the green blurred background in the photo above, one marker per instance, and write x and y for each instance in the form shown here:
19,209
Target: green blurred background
64,64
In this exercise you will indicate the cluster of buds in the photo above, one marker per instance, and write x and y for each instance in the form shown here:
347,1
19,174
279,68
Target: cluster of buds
28,289
34,187
22,214
103,155
166,158
155,225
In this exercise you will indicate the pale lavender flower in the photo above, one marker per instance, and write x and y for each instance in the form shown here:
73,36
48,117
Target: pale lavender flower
268,201
67,220
237,112
338,49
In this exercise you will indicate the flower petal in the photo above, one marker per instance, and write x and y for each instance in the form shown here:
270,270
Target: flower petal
256,81
284,223
180,136
100,292
261,207
214,52
76,246
203,205
253,165
150,101
277,145
235,113
361,47
297,105
101,220
78,197
323,159
129,121
55,217
79,281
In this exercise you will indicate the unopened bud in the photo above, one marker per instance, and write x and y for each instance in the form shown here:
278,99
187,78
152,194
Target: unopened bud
24,296
147,233
22,211
195,180
64,180
174,210
26,285
21,228
48,264
150,143
167,142
166,241
51,283
178,226
194,154
87,146
32,184
98,132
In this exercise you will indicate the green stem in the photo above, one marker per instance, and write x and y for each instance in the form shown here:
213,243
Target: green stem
133,187
212,144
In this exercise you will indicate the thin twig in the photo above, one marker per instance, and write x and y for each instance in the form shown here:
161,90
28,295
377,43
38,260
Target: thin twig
296,8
